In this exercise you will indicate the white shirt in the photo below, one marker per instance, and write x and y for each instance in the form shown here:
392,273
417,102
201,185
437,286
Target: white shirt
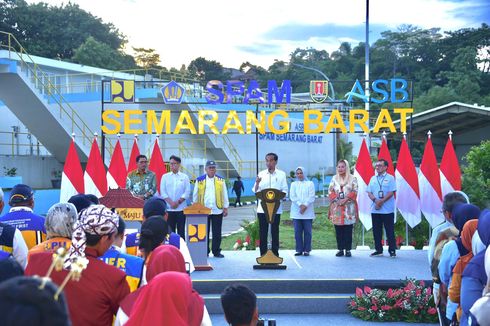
20,249
210,196
175,186
276,180
302,193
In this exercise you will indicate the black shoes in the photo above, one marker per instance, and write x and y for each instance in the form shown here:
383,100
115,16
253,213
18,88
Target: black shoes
340,253
377,254
306,253
298,254
219,256
392,254
347,253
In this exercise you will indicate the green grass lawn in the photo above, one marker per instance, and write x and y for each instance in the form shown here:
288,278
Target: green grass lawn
323,233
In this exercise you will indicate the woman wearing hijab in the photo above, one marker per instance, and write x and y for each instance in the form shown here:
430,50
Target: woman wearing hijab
302,195
469,230
168,300
479,313
59,224
343,211
461,214
474,276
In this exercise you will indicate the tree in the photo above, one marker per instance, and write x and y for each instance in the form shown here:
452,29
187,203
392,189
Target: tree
55,32
476,176
147,58
98,54
207,69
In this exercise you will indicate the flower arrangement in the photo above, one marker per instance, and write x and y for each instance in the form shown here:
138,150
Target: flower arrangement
252,239
245,244
413,302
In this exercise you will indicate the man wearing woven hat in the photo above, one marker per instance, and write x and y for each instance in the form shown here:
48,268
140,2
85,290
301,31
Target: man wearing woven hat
210,190
95,298
22,217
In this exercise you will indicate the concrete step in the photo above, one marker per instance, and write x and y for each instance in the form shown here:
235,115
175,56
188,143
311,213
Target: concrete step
290,303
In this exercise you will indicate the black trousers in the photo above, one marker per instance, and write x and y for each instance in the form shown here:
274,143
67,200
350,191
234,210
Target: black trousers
214,224
238,196
264,230
176,222
388,220
344,236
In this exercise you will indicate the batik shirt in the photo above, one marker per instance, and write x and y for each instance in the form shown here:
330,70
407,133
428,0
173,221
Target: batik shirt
141,183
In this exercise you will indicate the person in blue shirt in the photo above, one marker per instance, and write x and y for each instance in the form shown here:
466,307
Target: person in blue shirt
129,264
22,217
474,276
381,190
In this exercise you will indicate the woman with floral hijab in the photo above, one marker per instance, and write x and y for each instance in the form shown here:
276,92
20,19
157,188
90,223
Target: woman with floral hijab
343,211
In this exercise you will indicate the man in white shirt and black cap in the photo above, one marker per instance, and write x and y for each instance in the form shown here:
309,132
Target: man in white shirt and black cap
210,190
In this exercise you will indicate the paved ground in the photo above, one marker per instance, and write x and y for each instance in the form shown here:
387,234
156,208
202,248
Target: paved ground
321,264
317,320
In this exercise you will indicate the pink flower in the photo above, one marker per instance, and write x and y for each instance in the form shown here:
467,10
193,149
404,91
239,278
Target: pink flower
374,301
432,311
422,283
390,293
429,291
374,308
257,243
415,312
385,307
247,239
418,292
353,303
361,308
358,292
239,241
367,289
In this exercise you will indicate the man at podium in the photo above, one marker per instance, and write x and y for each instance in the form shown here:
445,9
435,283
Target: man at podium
270,178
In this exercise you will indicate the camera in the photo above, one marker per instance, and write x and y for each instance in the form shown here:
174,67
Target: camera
266,322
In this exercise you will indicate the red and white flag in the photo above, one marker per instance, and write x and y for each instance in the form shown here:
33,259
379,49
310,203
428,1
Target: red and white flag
157,165
135,151
116,175
72,176
450,171
430,186
407,186
95,175
384,153
364,172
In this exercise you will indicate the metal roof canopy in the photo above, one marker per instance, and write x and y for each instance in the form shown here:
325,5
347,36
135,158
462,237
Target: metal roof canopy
455,116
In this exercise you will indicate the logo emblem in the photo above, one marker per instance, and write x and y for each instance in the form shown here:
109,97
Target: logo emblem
319,90
122,91
172,93
270,195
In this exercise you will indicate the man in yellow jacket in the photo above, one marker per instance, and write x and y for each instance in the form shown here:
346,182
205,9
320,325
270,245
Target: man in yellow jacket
210,190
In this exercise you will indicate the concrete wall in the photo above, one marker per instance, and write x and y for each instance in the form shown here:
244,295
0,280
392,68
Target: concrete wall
35,171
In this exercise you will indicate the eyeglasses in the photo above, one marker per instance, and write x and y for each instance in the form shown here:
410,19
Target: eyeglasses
142,162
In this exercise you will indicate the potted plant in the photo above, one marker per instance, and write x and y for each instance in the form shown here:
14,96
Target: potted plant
56,179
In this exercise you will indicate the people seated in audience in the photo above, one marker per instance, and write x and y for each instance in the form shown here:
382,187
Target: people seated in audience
9,268
240,305
168,300
59,223
24,302
95,298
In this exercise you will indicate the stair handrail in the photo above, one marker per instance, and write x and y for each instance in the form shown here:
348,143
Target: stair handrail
84,130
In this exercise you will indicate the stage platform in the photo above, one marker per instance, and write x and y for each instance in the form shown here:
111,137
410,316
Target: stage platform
318,284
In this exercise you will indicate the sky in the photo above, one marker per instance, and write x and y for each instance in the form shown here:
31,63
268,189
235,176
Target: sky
261,31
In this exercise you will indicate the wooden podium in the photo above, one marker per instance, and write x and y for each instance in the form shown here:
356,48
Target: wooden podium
270,200
197,235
